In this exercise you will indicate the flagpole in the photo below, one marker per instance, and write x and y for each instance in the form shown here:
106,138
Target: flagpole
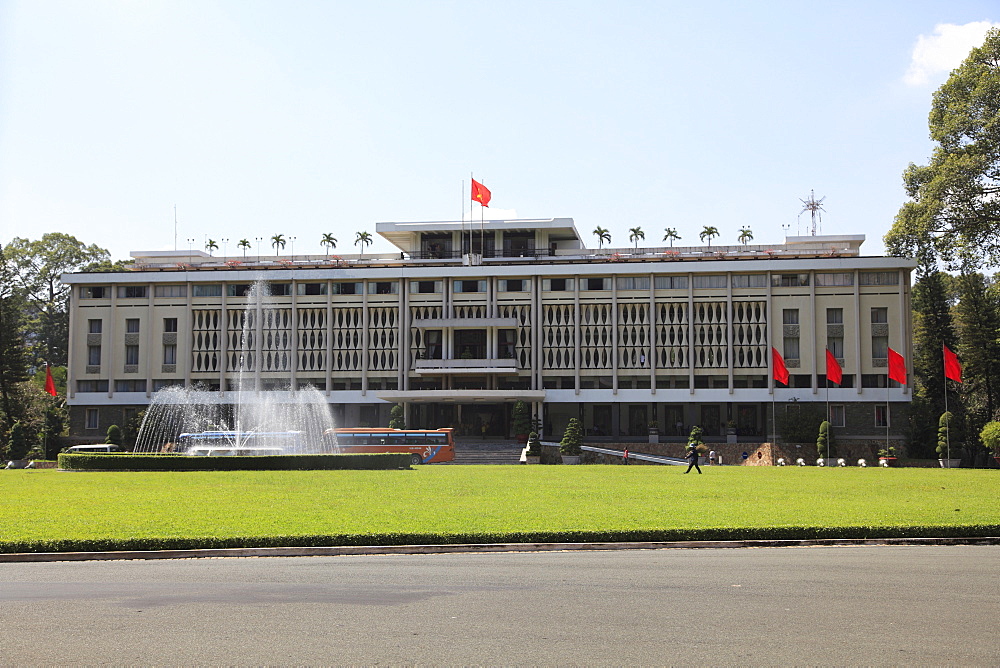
947,422
461,218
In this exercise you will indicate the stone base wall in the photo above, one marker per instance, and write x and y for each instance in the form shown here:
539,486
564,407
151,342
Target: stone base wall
758,454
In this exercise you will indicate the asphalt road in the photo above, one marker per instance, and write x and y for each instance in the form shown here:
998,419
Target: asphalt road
816,605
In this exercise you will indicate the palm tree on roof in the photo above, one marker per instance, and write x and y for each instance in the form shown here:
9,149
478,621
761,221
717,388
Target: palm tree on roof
364,239
278,241
603,236
746,236
671,234
634,234
245,245
708,233
329,241
210,246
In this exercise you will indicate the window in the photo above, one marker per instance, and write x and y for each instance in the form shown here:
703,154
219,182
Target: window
131,355
835,316
880,336
790,316
710,281
633,282
131,325
555,284
91,386
513,285
341,289
834,280
791,348
470,286
880,315
881,416
281,289
94,326
91,420
835,332
790,340
789,280
837,415
237,289
93,356
316,289
594,283
93,292
506,343
170,291
131,291
170,325
425,287
749,280
671,282
130,386
878,278
383,288
170,353
207,290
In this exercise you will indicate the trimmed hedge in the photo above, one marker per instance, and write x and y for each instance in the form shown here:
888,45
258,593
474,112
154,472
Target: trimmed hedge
652,535
168,462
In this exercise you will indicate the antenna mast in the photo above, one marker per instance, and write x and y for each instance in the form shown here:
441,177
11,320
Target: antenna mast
815,208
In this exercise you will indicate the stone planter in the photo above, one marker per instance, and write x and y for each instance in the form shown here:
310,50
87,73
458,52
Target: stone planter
530,459
950,463
731,436
571,459
654,436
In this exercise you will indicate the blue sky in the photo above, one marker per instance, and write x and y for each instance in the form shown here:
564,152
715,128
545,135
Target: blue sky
300,118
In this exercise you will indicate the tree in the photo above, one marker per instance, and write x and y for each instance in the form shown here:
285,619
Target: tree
671,235
603,236
364,239
114,435
520,418
210,246
38,266
709,233
278,241
18,445
329,241
572,439
396,419
635,234
954,207
824,442
13,351
978,321
244,245
746,236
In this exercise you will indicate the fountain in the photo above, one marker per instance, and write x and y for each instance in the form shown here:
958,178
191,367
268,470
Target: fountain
249,419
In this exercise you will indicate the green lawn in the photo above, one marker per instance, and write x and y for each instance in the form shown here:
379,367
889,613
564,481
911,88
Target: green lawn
54,510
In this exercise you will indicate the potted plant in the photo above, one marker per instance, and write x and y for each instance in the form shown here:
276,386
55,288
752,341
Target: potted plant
731,435
887,456
521,421
944,448
990,436
533,451
654,432
572,440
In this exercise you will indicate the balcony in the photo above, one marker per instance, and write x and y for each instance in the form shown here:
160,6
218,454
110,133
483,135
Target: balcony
465,366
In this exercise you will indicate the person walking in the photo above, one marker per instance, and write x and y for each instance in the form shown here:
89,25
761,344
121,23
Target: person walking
692,457
711,458
625,457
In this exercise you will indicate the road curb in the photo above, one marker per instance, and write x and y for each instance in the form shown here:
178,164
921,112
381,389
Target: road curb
363,550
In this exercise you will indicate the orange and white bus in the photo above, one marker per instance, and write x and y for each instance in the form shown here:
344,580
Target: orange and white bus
426,446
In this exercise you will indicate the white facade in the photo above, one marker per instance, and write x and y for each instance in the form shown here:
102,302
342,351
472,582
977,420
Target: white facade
465,320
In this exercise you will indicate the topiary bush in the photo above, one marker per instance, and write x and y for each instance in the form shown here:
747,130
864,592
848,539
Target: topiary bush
114,435
534,445
572,439
17,444
990,436
944,423
824,441
520,418
396,420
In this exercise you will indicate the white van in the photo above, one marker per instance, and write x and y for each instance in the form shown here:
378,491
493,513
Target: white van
96,447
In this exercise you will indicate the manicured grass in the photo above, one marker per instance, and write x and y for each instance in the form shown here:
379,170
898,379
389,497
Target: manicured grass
54,510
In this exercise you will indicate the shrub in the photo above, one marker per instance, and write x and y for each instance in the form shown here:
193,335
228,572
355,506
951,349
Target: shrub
944,423
534,445
17,445
694,438
990,436
114,435
572,439
824,442
170,462
396,420
520,418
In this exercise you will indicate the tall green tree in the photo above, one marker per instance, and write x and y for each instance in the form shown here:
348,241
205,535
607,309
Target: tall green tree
329,241
635,234
38,266
746,236
954,207
363,239
603,236
244,245
671,235
708,233
13,352
978,325
278,241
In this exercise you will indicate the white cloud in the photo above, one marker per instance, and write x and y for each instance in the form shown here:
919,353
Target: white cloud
944,50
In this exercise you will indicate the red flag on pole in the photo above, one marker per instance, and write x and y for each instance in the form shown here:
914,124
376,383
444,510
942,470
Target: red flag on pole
480,193
952,367
833,371
780,370
897,367
50,385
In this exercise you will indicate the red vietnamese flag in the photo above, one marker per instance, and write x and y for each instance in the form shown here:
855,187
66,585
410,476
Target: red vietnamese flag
897,367
780,371
50,385
952,368
834,373
480,193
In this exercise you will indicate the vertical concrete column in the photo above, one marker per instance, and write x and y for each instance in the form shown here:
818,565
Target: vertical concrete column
329,334
295,339
904,334
364,337
652,335
224,348
113,346
150,355
729,329
860,332
185,341
690,355
614,335
576,332
813,338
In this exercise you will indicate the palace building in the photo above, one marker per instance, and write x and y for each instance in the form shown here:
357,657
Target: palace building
467,319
